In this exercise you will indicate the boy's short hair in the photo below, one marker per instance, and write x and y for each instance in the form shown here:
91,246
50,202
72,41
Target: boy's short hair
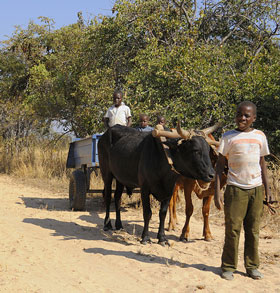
142,116
159,117
248,104
118,92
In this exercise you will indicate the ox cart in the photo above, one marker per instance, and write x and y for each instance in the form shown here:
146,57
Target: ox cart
83,157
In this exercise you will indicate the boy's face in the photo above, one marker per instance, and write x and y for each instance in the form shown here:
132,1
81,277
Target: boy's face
144,121
244,118
117,98
161,121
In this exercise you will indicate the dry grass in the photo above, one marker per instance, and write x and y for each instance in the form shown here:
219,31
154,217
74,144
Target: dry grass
40,160
40,163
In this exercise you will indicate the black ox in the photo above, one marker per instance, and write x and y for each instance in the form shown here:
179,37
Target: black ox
138,159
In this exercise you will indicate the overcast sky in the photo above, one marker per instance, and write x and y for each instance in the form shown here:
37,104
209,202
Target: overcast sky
64,12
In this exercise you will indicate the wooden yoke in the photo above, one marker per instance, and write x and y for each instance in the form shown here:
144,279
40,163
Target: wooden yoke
162,134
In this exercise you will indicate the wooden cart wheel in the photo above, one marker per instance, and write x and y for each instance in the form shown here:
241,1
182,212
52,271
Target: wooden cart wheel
77,190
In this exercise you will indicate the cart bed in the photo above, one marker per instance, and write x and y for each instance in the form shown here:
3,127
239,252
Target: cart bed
83,152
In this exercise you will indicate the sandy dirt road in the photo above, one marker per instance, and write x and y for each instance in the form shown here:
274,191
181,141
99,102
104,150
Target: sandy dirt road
45,247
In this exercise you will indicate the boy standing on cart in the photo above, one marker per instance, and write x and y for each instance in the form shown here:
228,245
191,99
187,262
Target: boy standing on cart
119,113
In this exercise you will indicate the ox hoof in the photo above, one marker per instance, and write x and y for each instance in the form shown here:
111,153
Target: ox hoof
185,240
208,239
164,243
119,227
146,241
171,228
108,226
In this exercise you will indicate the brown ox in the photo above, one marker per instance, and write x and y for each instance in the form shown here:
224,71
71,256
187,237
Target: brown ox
203,191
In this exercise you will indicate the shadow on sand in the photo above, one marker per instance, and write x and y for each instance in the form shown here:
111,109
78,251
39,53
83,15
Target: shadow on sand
93,230
151,258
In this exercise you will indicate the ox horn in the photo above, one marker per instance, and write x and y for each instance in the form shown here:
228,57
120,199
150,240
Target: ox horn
211,129
183,133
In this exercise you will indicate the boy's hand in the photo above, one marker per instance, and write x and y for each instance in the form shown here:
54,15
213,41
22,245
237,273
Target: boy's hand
218,201
220,167
269,197
272,206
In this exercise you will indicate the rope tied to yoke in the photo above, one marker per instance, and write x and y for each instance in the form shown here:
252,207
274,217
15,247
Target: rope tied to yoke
167,154
166,149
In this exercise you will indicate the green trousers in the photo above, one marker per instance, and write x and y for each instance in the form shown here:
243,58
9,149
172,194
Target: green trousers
242,206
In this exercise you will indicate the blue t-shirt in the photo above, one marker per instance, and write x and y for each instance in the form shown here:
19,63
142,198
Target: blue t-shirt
144,129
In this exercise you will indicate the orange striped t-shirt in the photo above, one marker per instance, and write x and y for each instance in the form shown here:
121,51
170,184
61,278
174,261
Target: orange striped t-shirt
244,150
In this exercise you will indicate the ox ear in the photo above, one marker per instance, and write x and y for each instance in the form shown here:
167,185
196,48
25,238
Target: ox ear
213,155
